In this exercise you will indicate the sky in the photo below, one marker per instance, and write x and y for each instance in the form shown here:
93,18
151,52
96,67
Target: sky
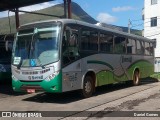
116,12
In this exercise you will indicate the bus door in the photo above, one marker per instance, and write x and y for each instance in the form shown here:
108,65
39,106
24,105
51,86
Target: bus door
125,63
71,59
126,59
120,72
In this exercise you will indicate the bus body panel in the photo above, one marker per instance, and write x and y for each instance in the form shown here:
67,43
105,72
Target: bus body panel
111,68
108,68
72,76
48,79
52,86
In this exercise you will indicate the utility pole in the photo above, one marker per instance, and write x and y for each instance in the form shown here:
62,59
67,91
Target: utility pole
69,9
17,17
129,26
65,9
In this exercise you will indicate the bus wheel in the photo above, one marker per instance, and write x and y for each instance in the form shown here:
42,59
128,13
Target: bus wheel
136,80
88,87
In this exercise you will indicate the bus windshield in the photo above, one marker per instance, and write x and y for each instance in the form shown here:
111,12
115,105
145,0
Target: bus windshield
36,47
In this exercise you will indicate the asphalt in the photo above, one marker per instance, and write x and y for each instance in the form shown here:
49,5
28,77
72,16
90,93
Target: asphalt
119,97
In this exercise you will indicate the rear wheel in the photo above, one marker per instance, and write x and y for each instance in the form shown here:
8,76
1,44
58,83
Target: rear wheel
136,77
88,87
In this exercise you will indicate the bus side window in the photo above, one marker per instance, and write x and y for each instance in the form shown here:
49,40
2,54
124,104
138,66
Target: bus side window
131,46
140,47
151,49
89,39
94,41
73,45
147,48
120,45
64,43
70,45
106,43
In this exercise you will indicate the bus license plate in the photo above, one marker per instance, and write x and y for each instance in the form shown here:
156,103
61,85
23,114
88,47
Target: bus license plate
31,90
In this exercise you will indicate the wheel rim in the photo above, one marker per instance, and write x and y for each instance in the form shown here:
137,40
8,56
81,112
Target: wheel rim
136,78
88,87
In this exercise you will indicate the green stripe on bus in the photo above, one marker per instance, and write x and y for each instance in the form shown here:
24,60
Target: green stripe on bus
99,62
108,77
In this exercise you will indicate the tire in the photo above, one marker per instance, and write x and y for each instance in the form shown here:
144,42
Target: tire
136,79
88,87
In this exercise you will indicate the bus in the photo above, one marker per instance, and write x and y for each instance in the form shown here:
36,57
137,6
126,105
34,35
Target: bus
63,55
6,42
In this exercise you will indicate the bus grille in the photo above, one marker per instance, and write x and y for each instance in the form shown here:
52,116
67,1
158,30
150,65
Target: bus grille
36,87
35,72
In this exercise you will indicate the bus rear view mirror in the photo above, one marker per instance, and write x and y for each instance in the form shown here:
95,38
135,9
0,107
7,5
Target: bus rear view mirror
8,46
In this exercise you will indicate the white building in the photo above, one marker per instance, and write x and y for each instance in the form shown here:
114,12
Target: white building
151,17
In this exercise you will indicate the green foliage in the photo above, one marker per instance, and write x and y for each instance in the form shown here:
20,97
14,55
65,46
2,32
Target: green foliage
156,75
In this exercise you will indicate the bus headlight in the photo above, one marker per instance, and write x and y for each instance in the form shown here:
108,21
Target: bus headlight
52,76
14,78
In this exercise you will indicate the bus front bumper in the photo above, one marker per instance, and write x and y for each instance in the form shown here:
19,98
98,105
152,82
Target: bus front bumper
53,86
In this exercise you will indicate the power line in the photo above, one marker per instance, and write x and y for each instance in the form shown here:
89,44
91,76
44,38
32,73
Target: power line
136,20
135,25
155,16
153,35
141,24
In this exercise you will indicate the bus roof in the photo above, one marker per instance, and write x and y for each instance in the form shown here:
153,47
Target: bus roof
65,21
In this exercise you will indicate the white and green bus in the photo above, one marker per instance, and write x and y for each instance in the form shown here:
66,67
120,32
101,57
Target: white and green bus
64,55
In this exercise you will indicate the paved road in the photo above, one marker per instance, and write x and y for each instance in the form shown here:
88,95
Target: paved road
121,97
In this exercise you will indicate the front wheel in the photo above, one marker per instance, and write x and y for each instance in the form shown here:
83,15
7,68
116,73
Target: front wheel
136,77
88,87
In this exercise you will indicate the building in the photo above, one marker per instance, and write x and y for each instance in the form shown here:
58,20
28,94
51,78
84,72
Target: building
151,17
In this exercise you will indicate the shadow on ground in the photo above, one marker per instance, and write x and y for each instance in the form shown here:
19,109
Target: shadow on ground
148,80
68,97
6,90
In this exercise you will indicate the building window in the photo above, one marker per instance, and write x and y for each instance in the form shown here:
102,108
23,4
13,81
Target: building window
153,2
153,21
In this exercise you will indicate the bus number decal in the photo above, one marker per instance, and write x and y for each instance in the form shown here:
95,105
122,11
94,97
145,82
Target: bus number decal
73,77
126,59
